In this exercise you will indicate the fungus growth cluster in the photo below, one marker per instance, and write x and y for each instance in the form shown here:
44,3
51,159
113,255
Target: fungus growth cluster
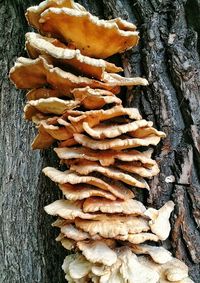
72,100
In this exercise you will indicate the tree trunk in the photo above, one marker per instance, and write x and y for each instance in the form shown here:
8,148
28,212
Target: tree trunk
168,57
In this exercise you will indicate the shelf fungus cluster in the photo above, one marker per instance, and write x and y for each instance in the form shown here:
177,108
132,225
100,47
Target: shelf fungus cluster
103,146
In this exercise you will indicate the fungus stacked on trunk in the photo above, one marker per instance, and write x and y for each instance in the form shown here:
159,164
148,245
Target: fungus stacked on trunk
73,101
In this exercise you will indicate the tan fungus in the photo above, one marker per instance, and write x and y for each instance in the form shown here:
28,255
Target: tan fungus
83,191
113,225
98,252
147,131
38,93
103,115
133,271
102,131
138,168
37,45
107,157
42,140
171,271
129,206
67,209
56,132
52,105
65,23
68,244
117,143
94,98
72,178
158,254
89,167
138,238
159,222
28,73
33,13
75,125
71,232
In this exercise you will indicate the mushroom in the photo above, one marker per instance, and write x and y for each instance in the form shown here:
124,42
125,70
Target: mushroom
122,142
159,222
113,226
37,45
67,209
33,13
85,168
84,191
158,254
72,178
129,206
107,157
64,23
97,252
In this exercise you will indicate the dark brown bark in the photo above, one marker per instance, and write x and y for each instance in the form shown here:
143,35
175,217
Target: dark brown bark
168,57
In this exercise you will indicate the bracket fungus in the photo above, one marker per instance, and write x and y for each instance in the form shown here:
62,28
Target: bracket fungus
129,206
72,178
159,222
95,98
105,158
33,13
37,45
65,23
113,225
49,105
72,101
122,142
83,191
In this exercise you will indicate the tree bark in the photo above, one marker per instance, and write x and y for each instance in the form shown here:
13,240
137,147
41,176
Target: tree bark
168,56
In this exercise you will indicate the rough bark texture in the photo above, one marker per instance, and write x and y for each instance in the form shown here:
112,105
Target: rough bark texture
168,57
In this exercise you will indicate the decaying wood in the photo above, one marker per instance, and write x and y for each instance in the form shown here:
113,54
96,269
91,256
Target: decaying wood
168,57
